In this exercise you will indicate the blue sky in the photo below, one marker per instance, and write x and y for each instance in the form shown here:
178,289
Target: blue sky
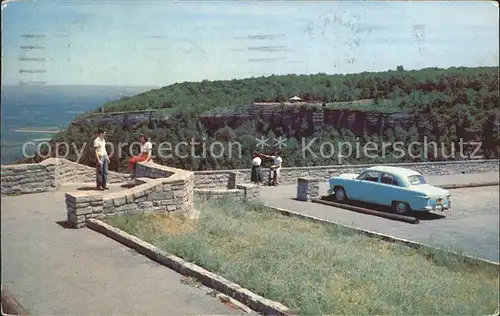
157,43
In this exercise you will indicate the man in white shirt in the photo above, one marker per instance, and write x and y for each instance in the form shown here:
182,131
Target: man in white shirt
274,170
256,176
102,162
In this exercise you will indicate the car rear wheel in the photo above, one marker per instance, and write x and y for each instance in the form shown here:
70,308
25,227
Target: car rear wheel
340,195
400,207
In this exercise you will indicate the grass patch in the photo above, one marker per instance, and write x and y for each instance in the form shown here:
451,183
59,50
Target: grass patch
317,268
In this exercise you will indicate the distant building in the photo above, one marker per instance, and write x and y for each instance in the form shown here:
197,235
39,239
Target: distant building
295,99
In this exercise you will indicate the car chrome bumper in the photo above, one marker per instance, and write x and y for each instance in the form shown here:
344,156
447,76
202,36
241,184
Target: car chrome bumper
436,208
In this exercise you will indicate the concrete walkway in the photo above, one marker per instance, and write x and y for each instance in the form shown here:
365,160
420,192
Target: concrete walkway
471,225
51,270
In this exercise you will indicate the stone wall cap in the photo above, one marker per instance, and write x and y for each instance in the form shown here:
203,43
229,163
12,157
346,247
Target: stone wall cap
246,185
309,179
216,190
424,163
154,165
53,161
78,194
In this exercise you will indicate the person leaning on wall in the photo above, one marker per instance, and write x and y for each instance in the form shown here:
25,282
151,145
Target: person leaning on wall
145,155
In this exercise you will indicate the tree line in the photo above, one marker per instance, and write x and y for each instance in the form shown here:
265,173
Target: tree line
451,105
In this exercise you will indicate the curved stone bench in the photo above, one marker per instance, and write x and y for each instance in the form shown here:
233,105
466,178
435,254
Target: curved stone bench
158,189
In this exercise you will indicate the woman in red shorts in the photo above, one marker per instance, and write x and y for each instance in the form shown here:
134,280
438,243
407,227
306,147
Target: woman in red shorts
145,155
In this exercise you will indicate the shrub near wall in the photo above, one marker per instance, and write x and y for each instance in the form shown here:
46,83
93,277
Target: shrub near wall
217,179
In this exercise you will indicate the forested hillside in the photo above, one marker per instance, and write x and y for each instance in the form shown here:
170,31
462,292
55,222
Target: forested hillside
447,105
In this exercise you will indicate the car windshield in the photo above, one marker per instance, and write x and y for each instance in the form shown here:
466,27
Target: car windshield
416,180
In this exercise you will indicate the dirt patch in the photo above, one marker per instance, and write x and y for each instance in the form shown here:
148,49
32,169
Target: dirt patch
174,224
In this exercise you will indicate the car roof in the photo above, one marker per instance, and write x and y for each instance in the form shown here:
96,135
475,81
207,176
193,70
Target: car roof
398,171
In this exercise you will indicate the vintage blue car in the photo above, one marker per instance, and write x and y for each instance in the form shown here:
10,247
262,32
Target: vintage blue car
402,189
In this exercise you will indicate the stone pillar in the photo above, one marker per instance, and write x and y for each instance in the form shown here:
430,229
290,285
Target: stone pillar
82,207
307,188
234,179
251,191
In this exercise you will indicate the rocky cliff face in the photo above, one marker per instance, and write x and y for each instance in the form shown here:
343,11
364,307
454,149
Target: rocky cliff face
295,119
129,120
289,119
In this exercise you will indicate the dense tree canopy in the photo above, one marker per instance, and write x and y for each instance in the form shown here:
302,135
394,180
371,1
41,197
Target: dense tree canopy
451,104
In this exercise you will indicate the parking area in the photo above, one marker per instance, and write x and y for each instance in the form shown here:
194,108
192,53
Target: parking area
472,226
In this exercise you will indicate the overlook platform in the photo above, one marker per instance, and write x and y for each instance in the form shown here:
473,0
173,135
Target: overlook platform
52,270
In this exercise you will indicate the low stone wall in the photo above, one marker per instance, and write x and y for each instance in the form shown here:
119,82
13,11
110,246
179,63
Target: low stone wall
48,175
160,189
221,178
68,172
82,207
251,191
217,193
242,192
53,172
307,189
28,178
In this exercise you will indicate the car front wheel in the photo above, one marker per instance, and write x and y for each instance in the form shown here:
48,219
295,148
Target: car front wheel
340,195
400,207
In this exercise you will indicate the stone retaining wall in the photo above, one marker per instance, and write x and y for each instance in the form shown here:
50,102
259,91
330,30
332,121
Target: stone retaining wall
28,178
222,178
68,172
217,193
242,192
53,172
162,189
48,175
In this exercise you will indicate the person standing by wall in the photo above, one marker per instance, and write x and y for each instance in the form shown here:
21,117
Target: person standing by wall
256,175
102,160
274,170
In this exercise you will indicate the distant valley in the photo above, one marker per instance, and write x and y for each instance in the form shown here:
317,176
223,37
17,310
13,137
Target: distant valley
32,112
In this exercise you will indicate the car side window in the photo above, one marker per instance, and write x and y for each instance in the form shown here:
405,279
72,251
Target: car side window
389,179
369,176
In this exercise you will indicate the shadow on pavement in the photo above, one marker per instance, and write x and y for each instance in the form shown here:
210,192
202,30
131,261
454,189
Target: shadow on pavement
65,224
87,189
426,216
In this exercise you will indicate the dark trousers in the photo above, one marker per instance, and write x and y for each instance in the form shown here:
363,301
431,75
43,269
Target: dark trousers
256,175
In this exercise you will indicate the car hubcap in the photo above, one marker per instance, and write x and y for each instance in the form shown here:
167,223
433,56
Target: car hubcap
340,195
401,207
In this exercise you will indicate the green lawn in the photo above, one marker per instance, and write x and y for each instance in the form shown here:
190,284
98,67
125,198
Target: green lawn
316,268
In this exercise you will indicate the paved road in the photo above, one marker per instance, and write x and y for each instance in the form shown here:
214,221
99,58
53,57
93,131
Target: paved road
471,226
51,270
